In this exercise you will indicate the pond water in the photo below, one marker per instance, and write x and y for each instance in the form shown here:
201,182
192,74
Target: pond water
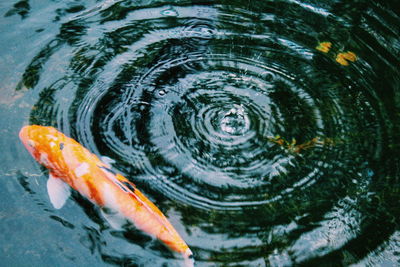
268,132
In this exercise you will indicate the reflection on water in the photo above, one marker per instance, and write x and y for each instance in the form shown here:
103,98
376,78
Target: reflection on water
266,131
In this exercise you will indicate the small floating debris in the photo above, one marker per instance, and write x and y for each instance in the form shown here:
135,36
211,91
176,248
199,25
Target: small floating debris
162,92
293,147
169,13
344,58
324,47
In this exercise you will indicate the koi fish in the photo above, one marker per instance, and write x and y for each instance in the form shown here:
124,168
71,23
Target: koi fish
72,165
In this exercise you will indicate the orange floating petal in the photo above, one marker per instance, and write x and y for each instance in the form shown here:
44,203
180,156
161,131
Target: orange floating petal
324,47
343,58
350,56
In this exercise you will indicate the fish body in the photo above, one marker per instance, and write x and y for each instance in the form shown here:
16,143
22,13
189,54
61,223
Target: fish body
69,163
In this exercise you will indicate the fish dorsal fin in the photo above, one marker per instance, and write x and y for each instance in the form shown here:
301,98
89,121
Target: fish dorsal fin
126,182
118,179
58,191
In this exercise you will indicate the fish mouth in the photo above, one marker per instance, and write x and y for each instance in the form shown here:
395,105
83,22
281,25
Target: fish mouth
24,134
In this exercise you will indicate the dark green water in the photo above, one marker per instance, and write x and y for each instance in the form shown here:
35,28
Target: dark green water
260,149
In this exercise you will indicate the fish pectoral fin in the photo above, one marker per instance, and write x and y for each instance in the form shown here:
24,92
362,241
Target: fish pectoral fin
115,219
58,191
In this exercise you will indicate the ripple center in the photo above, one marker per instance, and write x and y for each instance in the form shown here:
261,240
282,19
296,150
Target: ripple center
235,121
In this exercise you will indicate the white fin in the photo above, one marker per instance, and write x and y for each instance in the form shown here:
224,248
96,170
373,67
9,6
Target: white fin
108,161
58,191
188,258
115,219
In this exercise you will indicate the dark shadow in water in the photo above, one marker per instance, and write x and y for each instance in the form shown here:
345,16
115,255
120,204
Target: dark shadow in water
23,181
62,221
21,8
380,207
70,33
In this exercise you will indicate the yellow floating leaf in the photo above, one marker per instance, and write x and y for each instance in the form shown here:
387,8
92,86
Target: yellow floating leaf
350,56
343,58
324,47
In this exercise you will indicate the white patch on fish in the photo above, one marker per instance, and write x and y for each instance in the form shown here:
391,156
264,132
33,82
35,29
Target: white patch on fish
52,137
109,198
31,143
44,159
111,212
52,144
82,169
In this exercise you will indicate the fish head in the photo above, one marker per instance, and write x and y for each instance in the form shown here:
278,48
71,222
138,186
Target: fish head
43,143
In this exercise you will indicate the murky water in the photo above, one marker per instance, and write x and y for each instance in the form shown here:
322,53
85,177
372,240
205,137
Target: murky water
262,146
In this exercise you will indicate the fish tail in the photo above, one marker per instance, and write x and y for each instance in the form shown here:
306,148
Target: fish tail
188,258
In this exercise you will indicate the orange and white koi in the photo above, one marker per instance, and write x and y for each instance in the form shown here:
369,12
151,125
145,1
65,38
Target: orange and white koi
69,163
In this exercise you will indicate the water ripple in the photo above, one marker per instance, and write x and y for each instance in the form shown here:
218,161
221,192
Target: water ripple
229,116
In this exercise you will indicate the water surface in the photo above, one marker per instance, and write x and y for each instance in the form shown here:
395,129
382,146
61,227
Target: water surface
261,149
